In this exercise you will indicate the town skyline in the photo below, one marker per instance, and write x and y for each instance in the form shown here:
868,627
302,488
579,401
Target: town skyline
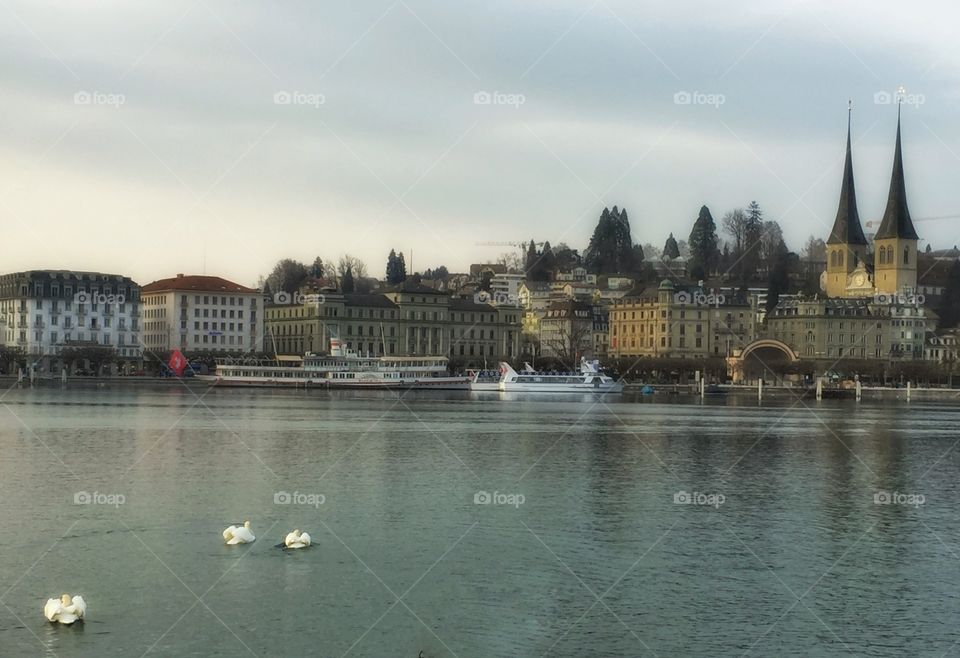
266,144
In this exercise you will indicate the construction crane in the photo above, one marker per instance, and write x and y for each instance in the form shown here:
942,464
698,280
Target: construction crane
873,223
506,244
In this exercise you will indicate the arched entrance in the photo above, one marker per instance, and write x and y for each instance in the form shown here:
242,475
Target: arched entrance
764,358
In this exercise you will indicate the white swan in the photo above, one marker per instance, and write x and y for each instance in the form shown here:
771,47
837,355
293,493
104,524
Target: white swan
296,539
65,610
239,534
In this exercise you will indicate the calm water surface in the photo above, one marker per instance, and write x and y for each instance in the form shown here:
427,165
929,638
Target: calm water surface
582,551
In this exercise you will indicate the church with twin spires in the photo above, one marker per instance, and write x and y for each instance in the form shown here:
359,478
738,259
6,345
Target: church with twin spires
894,270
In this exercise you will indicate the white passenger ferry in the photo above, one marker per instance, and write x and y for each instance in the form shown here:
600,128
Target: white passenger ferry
343,369
589,380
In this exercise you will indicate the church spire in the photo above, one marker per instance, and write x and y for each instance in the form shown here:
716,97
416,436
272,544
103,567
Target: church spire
896,221
846,227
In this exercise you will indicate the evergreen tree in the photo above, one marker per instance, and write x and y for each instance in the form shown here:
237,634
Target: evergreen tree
396,268
316,270
531,260
671,249
779,280
347,284
611,249
949,309
703,245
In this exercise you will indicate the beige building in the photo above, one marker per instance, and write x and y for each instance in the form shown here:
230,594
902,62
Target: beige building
407,320
849,328
680,324
200,314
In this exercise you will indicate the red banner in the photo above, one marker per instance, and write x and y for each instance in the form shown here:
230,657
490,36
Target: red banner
178,362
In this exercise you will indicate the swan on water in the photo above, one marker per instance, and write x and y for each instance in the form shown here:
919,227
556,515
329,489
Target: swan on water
296,539
65,610
239,534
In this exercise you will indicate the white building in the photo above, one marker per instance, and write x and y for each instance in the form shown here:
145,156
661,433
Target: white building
201,314
505,288
45,311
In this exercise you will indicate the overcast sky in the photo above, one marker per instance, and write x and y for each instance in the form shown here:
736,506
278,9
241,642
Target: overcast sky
154,138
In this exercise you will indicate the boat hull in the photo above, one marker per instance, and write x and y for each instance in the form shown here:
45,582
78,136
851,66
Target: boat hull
433,383
512,387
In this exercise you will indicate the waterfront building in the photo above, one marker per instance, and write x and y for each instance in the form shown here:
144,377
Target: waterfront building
566,331
199,313
943,346
851,328
409,319
680,323
46,311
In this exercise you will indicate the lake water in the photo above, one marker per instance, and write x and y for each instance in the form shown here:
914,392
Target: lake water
586,545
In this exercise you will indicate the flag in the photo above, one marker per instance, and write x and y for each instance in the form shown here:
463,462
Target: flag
177,363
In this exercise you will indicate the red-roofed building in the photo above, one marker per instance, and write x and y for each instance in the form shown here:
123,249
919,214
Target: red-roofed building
198,313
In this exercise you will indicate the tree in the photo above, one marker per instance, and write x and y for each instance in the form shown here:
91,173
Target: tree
396,268
928,249
347,284
771,237
565,258
512,261
703,245
569,343
438,274
779,279
746,230
287,276
531,260
486,280
356,266
949,309
316,270
815,250
671,249
611,249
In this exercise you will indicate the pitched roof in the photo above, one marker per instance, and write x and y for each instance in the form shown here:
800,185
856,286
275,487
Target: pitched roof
896,221
195,282
846,227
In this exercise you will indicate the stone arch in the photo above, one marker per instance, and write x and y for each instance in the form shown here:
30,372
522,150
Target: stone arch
761,355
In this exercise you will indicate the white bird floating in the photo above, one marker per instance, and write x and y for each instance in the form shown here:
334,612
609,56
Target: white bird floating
296,539
239,534
65,610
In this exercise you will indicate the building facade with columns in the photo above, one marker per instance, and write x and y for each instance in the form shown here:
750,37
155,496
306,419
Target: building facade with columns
406,320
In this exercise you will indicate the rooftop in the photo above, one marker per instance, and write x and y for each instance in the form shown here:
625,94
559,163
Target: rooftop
196,283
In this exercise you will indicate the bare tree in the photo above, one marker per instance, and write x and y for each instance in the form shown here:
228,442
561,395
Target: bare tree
511,260
569,342
815,250
357,267
770,240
